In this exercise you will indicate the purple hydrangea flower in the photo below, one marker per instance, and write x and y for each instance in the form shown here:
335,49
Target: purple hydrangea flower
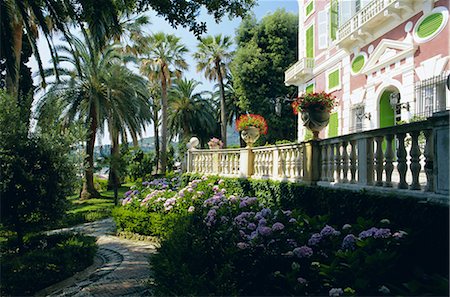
292,220
128,193
349,242
264,231
287,212
346,227
251,226
292,242
242,245
303,251
368,233
382,233
336,292
315,239
191,208
277,226
301,280
399,234
265,212
328,231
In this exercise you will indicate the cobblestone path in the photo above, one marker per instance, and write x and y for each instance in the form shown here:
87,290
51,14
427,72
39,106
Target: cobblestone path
121,266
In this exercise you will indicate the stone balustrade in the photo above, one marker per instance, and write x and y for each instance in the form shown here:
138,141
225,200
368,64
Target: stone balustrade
411,157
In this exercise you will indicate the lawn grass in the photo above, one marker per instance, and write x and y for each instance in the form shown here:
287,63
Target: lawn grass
81,211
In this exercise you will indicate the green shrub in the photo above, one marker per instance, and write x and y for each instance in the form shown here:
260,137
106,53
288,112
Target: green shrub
46,260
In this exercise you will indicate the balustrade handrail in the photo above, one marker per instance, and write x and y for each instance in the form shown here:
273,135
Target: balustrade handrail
276,147
403,128
221,151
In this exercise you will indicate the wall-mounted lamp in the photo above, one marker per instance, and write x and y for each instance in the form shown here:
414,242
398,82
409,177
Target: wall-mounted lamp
280,100
394,100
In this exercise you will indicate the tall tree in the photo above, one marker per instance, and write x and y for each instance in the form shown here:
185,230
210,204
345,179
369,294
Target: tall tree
189,113
164,60
264,51
213,56
104,91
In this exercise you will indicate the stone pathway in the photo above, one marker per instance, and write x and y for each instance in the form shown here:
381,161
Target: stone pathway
120,268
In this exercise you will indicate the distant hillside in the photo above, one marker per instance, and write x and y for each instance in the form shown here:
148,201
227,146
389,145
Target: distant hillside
148,144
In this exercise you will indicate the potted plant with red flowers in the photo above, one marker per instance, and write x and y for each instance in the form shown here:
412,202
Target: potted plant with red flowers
251,127
315,110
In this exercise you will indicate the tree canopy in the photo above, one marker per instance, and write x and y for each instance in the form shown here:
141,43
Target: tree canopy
265,49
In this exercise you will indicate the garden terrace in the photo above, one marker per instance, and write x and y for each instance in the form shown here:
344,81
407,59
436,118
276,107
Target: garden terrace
409,159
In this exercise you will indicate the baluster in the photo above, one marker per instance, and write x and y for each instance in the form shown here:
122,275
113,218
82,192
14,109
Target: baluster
344,162
267,171
298,163
353,162
379,160
280,163
292,163
337,158
231,160
236,164
331,163
323,173
270,168
389,156
369,145
429,149
401,160
301,161
288,163
415,165
257,164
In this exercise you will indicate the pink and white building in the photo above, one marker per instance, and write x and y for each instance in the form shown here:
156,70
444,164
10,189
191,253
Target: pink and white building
385,60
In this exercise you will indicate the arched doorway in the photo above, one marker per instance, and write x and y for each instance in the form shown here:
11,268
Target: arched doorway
386,112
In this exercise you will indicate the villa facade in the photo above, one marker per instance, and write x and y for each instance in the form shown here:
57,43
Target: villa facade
385,60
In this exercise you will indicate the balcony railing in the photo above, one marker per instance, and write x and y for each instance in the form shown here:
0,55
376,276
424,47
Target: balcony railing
362,22
300,70
410,158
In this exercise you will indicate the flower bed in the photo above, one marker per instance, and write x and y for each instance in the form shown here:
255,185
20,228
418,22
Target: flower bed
219,241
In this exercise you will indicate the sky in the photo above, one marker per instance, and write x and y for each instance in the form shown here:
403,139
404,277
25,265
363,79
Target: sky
158,24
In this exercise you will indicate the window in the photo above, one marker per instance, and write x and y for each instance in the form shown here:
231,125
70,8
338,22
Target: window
358,62
334,18
322,28
309,8
431,24
333,80
309,89
310,42
357,118
333,125
431,96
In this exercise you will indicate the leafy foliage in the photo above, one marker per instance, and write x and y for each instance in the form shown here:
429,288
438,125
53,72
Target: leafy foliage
36,173
265,50
46,261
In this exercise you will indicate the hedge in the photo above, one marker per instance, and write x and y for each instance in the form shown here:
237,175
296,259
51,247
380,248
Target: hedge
428,221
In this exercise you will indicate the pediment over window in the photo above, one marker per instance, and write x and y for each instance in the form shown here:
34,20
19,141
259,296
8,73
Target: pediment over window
388,52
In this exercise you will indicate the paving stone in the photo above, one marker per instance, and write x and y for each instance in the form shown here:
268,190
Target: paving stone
125,270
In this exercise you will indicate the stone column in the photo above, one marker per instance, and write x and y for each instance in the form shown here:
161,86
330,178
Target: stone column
246,162
311,166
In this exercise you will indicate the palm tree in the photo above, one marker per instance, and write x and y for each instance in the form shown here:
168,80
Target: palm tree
100,18
189,113
104,92
231,100
164,60
213,56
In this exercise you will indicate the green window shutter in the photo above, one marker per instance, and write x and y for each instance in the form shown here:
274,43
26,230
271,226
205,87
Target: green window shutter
358,64
334,18
310,42
333,79
309,8
430,25
333,125
309,89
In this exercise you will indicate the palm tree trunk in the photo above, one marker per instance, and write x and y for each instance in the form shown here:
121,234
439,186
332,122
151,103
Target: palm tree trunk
12,79
156,132
223,113
164,122
89,190
115,155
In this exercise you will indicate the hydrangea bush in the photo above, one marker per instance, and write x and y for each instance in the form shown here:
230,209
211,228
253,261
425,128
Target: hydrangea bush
223,243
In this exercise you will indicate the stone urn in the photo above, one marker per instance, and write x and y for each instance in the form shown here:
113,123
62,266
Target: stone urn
250,135
315,121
